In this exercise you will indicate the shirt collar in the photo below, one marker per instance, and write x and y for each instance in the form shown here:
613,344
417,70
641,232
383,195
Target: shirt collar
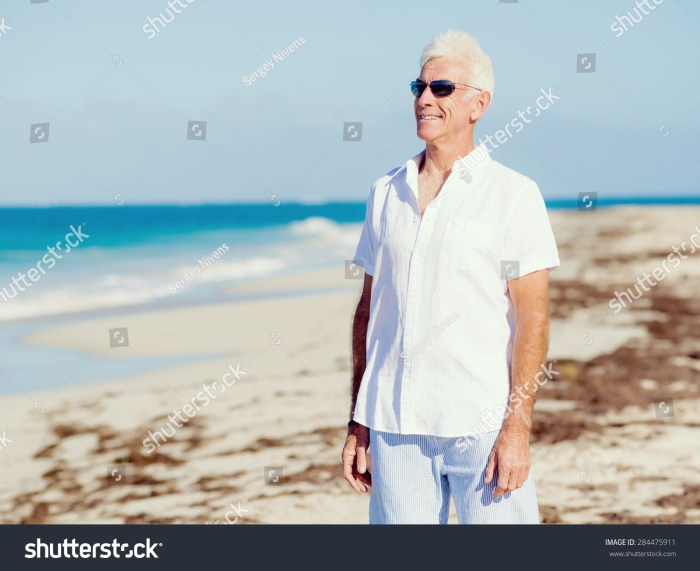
466,167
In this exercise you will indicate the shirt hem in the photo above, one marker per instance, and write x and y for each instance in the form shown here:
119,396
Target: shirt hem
421,432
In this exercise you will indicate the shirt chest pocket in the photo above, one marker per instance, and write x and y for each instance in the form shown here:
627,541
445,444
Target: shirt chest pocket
465,245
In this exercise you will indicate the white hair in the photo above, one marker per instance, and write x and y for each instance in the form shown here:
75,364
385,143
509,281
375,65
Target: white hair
454,43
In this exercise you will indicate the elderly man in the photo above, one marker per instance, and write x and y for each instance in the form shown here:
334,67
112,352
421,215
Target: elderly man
451,331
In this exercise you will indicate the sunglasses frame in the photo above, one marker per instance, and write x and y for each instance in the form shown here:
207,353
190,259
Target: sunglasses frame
419,82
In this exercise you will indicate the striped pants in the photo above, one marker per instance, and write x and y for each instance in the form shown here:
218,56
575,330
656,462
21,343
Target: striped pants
414,476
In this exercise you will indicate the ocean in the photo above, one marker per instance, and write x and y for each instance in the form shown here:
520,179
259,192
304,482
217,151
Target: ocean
141,254
144,254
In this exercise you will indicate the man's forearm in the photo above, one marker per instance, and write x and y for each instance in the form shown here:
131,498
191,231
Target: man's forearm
529,353
359,349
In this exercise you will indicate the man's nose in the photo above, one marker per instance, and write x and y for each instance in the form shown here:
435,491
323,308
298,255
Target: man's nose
426,97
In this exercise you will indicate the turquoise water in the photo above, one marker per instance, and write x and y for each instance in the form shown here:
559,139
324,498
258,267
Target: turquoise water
139,254
605,202
142,254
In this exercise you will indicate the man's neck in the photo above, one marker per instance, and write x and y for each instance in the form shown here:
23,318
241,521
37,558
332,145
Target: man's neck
439,160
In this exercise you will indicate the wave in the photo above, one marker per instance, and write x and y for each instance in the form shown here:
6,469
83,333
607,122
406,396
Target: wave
341,235
179,268
122,289
314,225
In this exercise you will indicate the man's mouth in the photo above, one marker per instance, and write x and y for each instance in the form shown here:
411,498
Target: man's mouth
429,117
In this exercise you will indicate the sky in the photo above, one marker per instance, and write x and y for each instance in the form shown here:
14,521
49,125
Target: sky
119,98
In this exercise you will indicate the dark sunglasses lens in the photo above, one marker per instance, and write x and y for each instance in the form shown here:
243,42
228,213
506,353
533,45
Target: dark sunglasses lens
417,88
442,88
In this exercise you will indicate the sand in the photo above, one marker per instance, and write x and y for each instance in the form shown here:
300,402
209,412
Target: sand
603,451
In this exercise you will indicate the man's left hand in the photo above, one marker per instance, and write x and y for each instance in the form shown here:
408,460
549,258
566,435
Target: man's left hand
511,458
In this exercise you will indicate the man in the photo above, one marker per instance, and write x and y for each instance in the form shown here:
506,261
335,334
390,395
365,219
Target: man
451,329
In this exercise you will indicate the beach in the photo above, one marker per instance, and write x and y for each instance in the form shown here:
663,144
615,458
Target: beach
615,431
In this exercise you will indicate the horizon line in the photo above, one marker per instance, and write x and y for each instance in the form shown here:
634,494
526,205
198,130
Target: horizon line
572,200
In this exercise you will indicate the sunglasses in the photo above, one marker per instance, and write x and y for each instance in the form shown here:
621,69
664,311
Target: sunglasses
439,87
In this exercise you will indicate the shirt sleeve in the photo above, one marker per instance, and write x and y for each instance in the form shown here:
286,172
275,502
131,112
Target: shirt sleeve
366,251
529,239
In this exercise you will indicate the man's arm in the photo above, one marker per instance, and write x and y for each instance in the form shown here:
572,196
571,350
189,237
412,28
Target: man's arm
359,340
511,452
354,456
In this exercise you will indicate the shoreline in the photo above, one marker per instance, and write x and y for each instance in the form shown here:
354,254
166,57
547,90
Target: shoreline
22,336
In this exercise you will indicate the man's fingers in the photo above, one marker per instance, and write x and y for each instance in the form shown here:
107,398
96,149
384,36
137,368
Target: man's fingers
365,478
364,481
502,484
361,452
360,473
490,468
348,457
355,483
354,456
513,481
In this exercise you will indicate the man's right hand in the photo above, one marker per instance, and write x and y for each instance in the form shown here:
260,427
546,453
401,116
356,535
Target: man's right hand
354,458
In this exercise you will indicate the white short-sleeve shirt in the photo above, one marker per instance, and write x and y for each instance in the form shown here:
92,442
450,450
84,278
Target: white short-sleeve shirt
441,325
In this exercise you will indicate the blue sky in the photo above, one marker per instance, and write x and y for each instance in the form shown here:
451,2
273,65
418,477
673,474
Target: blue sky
118,103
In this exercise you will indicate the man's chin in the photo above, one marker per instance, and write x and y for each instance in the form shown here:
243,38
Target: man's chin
427,135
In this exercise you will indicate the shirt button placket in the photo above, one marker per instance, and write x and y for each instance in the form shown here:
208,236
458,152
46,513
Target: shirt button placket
415,276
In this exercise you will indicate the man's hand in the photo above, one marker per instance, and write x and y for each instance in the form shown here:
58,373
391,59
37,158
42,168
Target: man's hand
354,458
511,456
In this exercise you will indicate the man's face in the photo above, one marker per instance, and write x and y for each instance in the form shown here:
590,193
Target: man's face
450,115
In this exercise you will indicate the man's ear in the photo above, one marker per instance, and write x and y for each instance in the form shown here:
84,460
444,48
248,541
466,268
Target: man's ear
483,100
